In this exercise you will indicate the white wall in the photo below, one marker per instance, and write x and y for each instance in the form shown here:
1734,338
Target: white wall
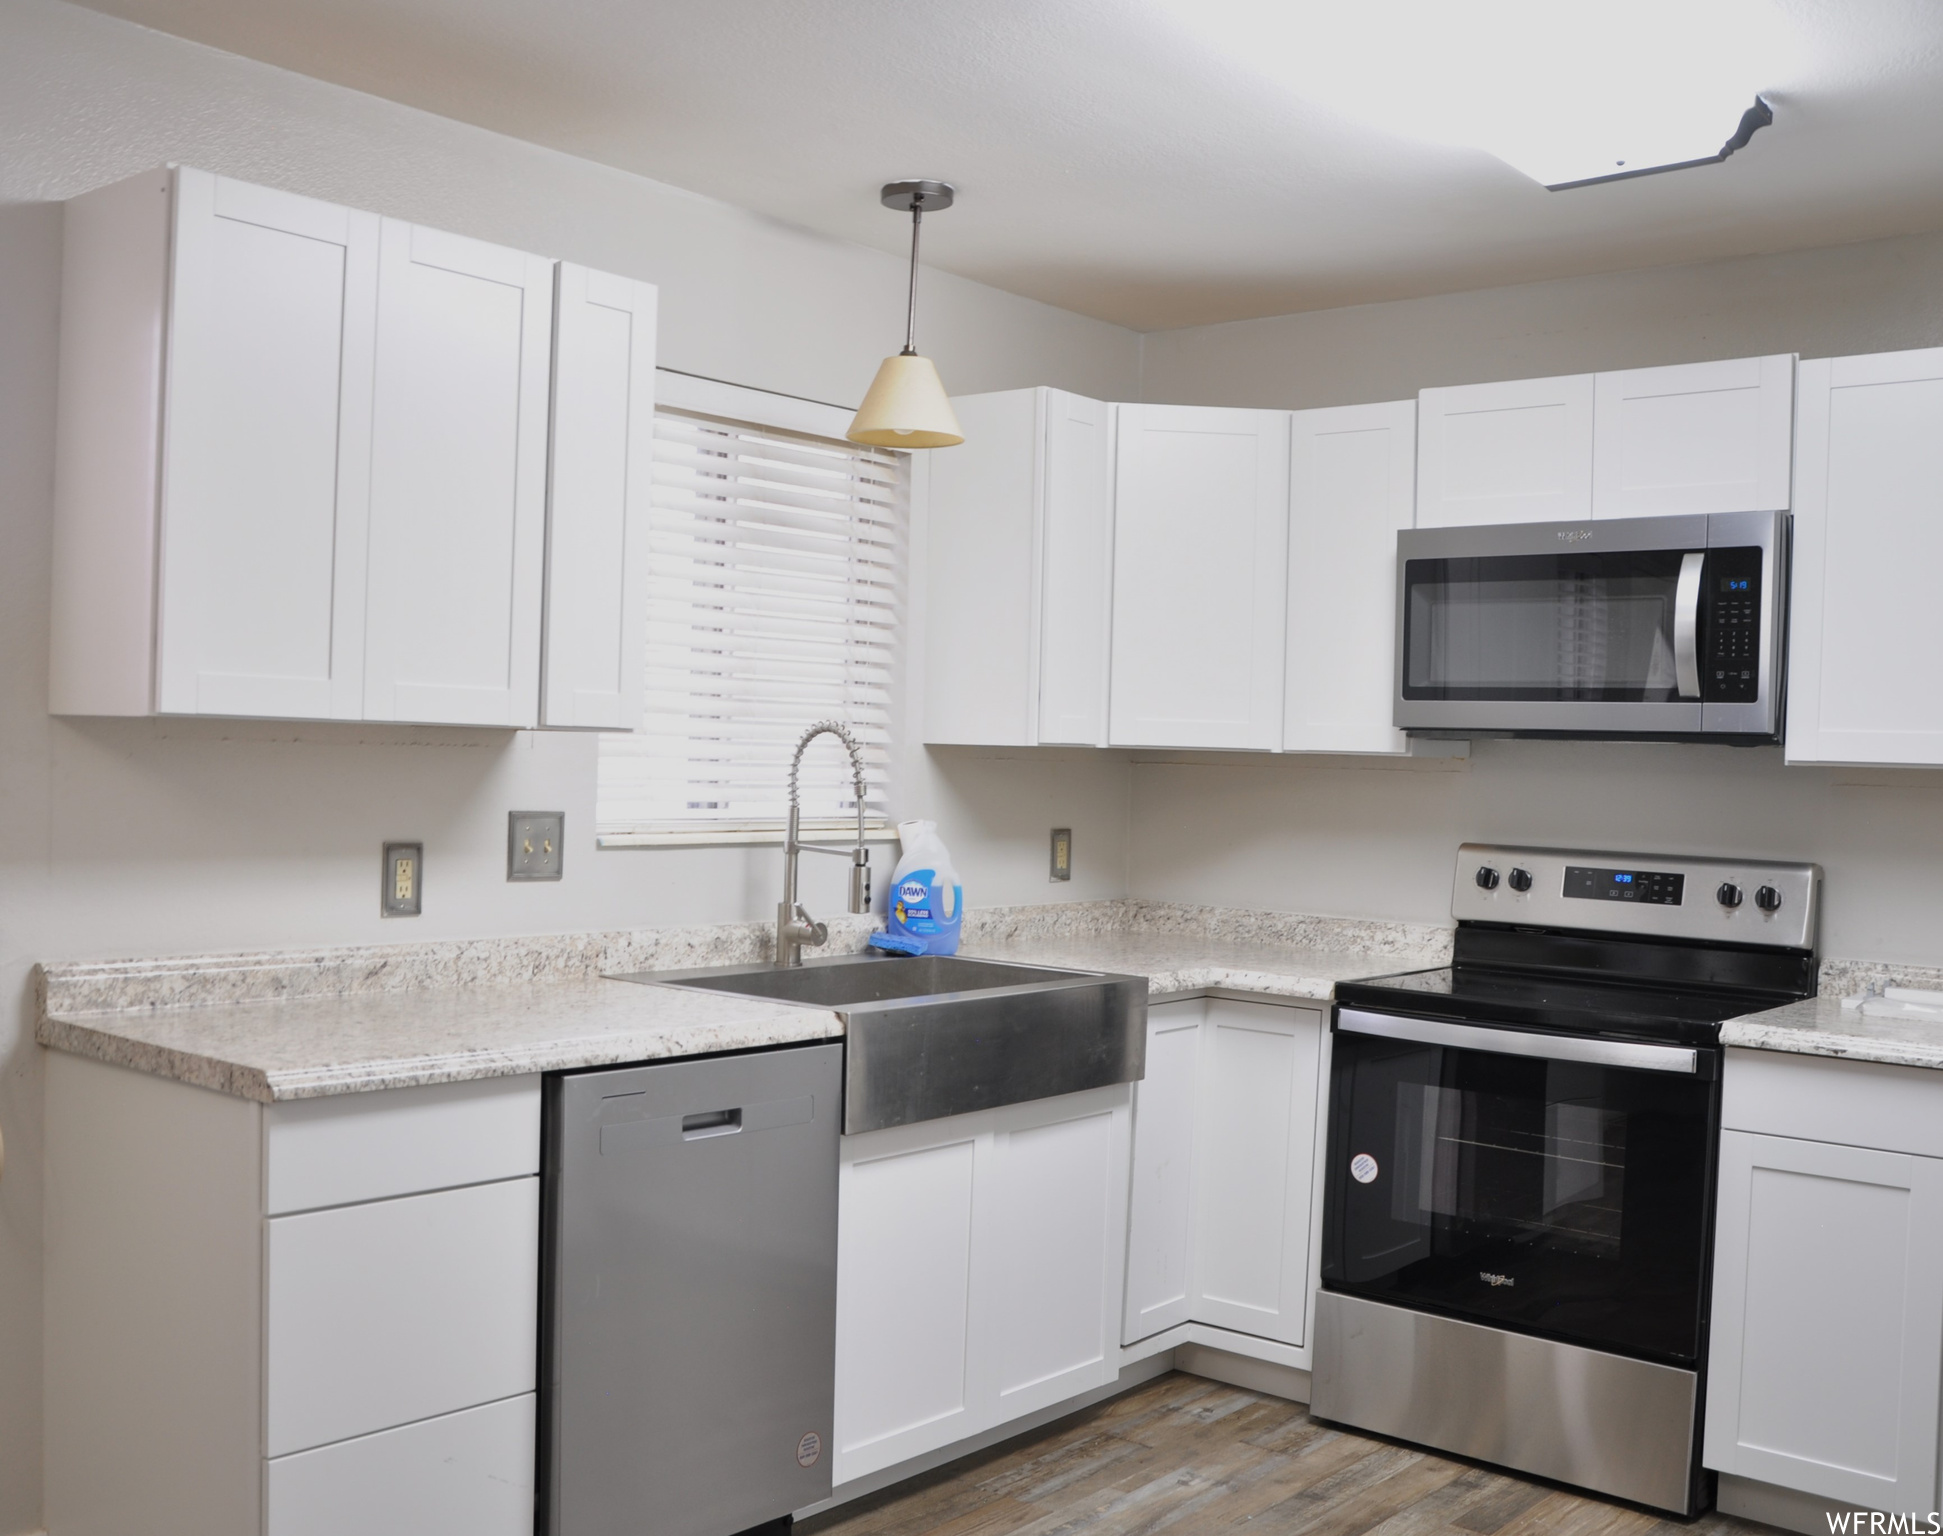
140,837
1877,296
1367,838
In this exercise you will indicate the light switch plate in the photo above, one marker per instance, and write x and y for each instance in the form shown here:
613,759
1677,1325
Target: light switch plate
533,840
401,893
1062,853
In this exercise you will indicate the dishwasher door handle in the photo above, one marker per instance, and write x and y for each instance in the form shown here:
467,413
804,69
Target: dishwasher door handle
705,1125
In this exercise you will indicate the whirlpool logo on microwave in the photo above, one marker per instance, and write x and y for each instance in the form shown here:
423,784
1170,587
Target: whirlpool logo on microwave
1574,535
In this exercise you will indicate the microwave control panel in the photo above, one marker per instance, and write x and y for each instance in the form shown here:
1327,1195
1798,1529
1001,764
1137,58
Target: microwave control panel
1731,623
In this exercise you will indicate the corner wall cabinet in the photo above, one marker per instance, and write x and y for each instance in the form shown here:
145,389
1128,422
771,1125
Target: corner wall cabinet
980,1261
1352,485
1200,549
1226,1142
1827,1354
1640,442
287,1319
302,468
1018,569
1862,684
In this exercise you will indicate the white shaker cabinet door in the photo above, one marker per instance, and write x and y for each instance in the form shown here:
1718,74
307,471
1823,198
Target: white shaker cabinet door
1200,542
458,480
1255,1166
1863,684
1076,592
1018,565
598,503
267,454
1827,1320
904,1275
1515,452
1046,1319
1160,1221
1694,438
1352,486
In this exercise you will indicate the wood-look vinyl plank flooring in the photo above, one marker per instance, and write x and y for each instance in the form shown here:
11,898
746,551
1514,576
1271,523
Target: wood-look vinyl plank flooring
1188,1456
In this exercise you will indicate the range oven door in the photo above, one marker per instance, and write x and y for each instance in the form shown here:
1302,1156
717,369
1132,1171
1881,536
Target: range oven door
1656,626
1547,1184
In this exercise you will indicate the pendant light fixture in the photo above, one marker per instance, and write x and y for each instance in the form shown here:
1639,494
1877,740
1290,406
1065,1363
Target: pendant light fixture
907,406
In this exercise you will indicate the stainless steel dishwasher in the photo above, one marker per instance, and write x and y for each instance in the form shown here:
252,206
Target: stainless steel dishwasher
689,1336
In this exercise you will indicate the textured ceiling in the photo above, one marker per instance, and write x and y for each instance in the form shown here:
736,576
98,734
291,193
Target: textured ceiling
1109,160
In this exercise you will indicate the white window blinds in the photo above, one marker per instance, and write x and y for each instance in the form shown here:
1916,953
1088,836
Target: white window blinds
775,596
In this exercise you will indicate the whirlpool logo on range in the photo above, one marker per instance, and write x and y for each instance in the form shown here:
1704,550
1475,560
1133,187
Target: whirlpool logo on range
1490,1279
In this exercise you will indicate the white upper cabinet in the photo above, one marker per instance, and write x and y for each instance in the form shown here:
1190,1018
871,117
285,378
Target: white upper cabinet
458,480
303,467
1516,452
1862,683
1200,542
1352,485
1696,438
1019,556
211,516
602,468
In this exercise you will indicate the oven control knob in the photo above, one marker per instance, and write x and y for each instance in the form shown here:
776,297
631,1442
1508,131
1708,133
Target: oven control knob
1729,894
1768,899
1519,879
1487,878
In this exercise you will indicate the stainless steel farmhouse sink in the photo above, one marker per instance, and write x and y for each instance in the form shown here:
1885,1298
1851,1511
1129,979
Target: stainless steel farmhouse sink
931,1035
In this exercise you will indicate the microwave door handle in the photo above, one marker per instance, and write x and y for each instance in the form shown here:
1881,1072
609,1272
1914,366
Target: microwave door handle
1686,625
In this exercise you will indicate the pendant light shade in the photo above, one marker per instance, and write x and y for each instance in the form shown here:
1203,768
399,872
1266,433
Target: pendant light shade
907,406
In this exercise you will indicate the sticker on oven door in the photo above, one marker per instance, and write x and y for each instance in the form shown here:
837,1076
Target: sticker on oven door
808,1449
1362,1168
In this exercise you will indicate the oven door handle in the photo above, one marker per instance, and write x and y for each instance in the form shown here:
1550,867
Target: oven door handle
1686,625
1517,1042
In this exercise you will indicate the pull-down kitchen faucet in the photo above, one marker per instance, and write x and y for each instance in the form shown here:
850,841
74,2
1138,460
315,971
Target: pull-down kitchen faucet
795,927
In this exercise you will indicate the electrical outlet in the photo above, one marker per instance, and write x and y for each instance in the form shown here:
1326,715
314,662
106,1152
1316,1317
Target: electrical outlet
533,844
402,891
1062,853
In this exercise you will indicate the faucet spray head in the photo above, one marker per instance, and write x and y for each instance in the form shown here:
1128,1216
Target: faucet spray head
860,880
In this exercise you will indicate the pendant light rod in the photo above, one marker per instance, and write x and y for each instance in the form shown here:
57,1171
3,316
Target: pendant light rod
916,196
911,302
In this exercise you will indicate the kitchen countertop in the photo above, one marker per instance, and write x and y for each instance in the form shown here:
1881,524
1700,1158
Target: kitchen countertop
1821,1026
312,1023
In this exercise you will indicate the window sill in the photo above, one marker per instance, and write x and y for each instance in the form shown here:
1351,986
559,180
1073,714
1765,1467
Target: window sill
717,837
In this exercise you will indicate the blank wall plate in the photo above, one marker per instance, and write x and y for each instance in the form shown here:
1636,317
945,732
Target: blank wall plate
401,893
533,844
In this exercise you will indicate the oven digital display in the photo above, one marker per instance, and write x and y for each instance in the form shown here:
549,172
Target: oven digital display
1654,887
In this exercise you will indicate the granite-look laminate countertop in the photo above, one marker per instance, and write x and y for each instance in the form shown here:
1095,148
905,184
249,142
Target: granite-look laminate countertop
1821,1026
312,1023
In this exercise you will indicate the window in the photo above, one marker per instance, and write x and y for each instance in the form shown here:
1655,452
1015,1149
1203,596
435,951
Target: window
775,599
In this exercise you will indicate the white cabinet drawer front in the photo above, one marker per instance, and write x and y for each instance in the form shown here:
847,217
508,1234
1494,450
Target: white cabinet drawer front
1828,1319
1818,1098
405,1141
903,1300
466,1474
387,1313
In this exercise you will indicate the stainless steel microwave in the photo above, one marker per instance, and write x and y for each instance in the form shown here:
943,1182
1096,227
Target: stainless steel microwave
1658,627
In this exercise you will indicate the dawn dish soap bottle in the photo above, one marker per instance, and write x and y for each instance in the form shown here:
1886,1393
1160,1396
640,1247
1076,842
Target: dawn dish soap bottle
927,903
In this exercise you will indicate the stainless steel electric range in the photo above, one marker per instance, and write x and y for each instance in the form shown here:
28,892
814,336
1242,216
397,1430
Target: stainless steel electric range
1519,1198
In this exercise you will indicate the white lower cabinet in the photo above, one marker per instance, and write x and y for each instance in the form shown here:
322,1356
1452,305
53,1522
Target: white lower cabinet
1226,1129
979,1270
384,1313
462,1474
1827,1335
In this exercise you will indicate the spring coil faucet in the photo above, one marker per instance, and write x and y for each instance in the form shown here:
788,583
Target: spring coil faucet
795,927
